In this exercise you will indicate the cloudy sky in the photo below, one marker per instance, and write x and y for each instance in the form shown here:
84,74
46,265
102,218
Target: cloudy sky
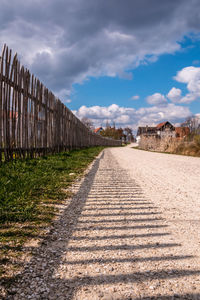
132,62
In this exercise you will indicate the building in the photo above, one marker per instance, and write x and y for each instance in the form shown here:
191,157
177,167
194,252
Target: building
146,131
182,132
163,130
98,130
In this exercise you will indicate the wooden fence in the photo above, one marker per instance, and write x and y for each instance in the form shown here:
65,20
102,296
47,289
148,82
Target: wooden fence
33,121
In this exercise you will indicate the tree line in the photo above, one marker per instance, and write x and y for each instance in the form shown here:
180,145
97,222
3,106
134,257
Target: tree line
125,134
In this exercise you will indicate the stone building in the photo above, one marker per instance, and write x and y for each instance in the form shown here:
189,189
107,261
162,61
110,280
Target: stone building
160,137
161,130
166,129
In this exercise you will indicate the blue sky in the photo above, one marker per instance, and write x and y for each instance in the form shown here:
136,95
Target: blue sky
133,62
147,79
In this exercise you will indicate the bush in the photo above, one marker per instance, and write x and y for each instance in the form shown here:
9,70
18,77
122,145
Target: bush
197,140
190,147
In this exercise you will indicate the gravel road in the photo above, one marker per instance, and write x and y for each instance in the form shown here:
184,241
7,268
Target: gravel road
132,231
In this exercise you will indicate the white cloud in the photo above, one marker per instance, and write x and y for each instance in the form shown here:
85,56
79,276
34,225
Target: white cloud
191,77
67,38
123,116
188,75
136,97
174,95
188,98
156,114
101,113
122,120
157,99
64,95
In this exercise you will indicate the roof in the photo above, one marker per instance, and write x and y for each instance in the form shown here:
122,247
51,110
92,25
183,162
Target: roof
98,129
161,124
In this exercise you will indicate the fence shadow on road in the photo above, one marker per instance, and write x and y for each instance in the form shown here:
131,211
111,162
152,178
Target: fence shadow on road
49,253
56,252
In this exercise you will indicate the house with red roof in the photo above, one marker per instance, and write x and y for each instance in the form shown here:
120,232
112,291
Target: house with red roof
98,130
162,130
165,129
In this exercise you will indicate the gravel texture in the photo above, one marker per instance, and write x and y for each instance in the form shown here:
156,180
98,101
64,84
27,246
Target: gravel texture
130,232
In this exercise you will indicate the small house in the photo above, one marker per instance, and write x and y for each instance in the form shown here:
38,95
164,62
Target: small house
146,131
98,130
166,129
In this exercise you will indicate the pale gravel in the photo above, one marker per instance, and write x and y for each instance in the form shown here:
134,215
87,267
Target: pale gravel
130,232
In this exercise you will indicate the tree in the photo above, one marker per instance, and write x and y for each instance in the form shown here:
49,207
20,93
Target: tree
193,123
88,123
129,134
112,132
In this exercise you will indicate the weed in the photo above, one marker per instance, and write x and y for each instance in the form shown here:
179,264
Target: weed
28,191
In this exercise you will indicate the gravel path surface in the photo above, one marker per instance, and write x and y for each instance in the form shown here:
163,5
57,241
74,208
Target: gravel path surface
130,232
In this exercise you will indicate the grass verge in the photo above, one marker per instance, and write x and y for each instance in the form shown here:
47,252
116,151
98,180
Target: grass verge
29,192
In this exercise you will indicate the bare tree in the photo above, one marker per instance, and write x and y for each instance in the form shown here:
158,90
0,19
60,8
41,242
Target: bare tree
192,122
88,123
129,134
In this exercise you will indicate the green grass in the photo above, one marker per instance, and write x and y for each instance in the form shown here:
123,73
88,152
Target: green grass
24,183
28,191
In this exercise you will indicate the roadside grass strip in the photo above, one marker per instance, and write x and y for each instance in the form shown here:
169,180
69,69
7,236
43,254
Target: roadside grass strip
29,192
